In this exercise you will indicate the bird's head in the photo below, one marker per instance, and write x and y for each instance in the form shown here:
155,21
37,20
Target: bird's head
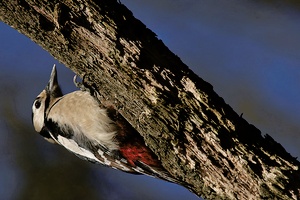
43,102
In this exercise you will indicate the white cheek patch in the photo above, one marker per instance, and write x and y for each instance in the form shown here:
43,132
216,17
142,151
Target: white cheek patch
38,117
38,111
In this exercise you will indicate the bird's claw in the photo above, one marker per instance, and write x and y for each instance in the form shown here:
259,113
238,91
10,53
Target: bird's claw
80,85
86,88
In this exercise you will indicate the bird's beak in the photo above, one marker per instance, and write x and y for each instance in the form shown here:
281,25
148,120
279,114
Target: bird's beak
52,88
52,84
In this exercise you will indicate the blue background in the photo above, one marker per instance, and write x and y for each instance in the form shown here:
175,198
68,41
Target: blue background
248,50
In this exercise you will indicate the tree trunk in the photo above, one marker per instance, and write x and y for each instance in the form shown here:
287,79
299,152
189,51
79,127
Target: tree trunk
198,137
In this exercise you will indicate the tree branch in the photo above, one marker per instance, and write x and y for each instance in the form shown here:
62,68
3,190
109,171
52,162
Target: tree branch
198,137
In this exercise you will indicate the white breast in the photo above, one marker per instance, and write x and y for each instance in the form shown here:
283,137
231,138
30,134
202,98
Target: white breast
81,112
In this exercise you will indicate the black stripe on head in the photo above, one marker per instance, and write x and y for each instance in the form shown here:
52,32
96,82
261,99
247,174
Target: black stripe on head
45,133
47,102
56,92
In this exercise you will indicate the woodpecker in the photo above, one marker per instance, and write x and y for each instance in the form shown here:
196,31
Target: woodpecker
92,132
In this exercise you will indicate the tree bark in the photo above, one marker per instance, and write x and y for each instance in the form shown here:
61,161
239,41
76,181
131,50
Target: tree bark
198,137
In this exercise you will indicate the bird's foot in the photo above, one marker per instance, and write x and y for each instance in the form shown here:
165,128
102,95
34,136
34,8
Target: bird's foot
81,85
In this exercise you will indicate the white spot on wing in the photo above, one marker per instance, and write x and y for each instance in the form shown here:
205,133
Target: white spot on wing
105,160
72,146
122,166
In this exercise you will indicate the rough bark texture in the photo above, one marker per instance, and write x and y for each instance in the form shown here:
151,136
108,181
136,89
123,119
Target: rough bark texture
197,136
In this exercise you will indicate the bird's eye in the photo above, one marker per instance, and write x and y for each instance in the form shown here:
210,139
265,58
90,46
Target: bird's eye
37,104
